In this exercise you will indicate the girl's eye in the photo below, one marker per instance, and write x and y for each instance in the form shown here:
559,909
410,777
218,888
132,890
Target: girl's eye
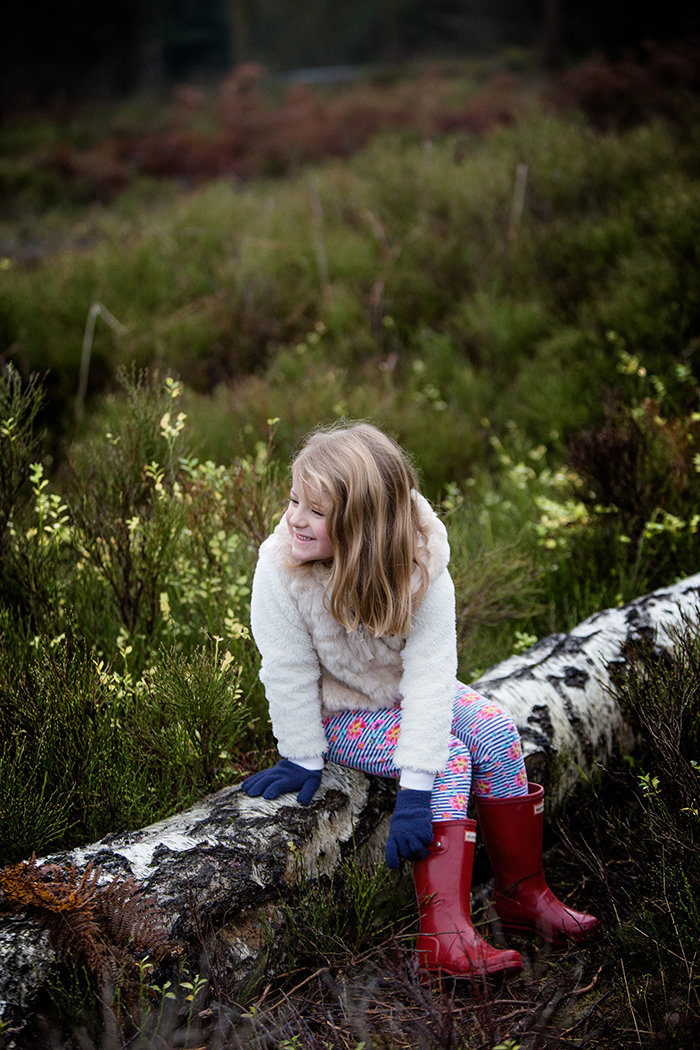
318,513
294,501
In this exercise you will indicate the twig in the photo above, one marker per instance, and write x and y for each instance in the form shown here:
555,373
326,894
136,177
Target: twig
629,1000
594,1007
95,311
518,205
286,995
319,247
589,987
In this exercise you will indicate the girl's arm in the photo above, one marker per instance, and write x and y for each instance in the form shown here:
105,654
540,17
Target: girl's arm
290,669
428,681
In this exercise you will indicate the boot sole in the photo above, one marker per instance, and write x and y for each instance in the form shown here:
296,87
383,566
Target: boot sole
513,966
472,975
554,937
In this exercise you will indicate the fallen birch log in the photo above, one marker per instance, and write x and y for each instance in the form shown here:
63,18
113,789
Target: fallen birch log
235,857
559,691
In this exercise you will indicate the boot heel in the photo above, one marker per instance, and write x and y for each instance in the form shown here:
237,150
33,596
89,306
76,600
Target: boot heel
448,942
512,829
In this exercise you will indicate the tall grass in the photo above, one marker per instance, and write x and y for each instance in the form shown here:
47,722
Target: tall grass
435,307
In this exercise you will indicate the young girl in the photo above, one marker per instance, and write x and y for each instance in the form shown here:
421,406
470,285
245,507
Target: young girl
353,611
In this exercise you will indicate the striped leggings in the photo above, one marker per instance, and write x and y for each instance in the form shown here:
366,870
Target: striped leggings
484,749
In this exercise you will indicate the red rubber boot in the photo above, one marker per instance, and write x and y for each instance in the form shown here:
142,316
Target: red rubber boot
447,940
512,832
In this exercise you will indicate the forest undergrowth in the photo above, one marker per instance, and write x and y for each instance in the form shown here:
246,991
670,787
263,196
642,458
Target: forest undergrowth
346,978
519,304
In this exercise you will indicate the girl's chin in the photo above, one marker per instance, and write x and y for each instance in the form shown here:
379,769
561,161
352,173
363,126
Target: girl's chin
302,550
308,552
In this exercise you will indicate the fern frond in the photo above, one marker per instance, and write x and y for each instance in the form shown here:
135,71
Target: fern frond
107,927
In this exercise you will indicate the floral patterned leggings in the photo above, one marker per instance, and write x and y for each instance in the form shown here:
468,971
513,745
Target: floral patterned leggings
484,746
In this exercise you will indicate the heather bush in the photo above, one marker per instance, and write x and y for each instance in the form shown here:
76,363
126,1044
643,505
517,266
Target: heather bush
127,676
640,477
65,755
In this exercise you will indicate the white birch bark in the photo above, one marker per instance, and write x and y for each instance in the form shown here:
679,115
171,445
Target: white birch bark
559,691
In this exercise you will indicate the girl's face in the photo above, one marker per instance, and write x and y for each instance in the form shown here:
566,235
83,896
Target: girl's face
307,527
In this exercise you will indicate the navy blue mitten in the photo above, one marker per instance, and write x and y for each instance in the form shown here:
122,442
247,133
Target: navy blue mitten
411,827
283,777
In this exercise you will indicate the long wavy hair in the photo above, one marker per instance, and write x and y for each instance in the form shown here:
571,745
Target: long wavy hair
363,481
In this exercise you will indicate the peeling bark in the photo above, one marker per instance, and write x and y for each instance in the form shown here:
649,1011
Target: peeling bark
221,867
233,857
558,692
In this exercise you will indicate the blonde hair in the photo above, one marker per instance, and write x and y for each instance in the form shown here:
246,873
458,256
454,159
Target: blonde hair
364,481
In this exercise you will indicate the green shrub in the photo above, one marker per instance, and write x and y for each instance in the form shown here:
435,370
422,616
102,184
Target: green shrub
640,476
64,755
330,919
128,680
661,918
33,521
89,749
190,719
19,448
126,522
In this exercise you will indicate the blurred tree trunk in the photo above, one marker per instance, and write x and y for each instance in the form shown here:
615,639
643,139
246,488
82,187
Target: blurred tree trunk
391,26
149,34
242,20
551,35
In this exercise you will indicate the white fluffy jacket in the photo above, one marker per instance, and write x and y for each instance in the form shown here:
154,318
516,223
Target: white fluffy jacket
312,665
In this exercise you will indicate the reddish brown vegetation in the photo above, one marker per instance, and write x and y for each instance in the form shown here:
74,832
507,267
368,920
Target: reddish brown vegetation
258,136
107,927
619,94
240,130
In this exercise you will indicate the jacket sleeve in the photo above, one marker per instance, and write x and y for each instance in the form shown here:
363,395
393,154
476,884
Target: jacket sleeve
290,669
428,681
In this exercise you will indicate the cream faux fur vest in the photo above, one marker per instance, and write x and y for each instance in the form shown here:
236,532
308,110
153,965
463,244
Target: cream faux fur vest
312,665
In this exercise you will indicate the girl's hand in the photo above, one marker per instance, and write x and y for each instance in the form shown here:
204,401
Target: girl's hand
283,777
411,828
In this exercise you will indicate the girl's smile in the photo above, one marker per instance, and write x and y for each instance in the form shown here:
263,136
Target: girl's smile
307,528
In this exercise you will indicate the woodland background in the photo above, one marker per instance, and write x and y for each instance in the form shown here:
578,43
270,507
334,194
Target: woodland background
62,53
480,229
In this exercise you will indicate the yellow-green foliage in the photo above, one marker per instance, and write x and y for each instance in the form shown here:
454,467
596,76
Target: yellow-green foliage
127,675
